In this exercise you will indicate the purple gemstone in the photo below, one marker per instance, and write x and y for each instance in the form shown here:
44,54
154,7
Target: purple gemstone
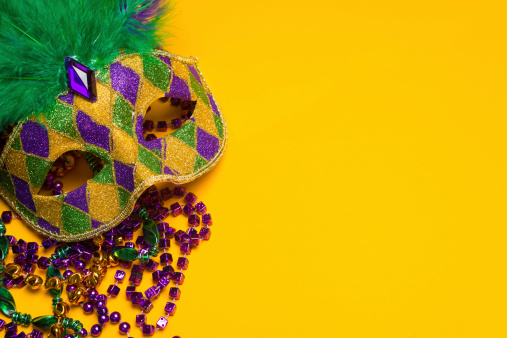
206,219
178,277
151,293
129,291
170,308
113,290
151,265
201,208
119,276
81,80
182,263
148,330
205,233
164,243
166,258
148,125
190,198
43,263
6,217
175,293
140,319
162,323
185,248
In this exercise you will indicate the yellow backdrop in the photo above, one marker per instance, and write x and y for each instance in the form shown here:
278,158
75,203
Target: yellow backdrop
363,190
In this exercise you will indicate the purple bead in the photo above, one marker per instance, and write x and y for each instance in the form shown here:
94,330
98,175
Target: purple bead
36,334
163,282
130,245
67,336
162,126
176,123
67,274
182,237
32,247
162,323
166,194
194,220
115,317
113,290
166,258
140,319
21,335
79,265
179,191
175,293
201,208
47,243
48,182
148,125
185,248
178,277
124,327
70,288
103,319
206,219
6,217
151,265
102,311
57,185
190,198
93,294
119,276
2,324
136,297
83,333
146,305
96,330
156,275
88,307
20,260
182,263
148,330
100,304
43,263
76,74
102,297
151,137
11,327
176,209
8,282
11,239
151,293
129,291
205,233
164,243
188,209
170,308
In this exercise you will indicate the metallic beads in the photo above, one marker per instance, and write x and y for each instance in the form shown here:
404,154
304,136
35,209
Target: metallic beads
34,281
61,309
53,283
56,331
12,270
77,295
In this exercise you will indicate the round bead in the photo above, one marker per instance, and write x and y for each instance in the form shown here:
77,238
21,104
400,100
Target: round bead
57,185
103,319
79,265
96,330
100,304
68,336
102,311
88,307
124,327
71,288
83,333
67,274
92,294
115,317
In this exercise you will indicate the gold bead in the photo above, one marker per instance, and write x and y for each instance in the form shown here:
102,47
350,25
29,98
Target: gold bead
34,281
56,331
12,270
99,258
61,309
60,172
113,260
77,295
75,278
93,280
69,162
98,240
118,240
53,283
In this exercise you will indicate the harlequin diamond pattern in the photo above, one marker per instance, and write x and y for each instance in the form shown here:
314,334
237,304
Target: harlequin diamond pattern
108,128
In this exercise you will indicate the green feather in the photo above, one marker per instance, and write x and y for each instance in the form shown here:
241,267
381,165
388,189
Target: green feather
37,35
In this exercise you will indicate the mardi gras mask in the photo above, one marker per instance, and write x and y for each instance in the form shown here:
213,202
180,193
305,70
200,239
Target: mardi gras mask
101,113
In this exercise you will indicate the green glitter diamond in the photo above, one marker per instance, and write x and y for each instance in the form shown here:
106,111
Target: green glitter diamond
37,169
220,125
105,175
6,182
122,115
199,162
124,197
150,160
102,155
198,89
60,118
74,221
186,133
157,152
103,75
156,72
16,144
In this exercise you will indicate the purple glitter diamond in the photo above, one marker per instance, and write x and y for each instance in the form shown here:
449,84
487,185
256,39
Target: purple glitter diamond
95,224
77,198
68,98
23,192
207,145
92,132
179,89
166,59
34,138
81,80
213,105
153,144
124,175
46,225
194,73
125,81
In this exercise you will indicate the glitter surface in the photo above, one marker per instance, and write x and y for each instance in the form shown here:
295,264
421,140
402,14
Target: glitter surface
43,223
194,73
23,192
74,221
124,175
77,198
68,98
156,72
34,138
92,132
62,120
179,89
207,145
125,81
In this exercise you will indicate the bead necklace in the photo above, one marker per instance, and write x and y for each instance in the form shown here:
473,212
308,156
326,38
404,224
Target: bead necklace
114,248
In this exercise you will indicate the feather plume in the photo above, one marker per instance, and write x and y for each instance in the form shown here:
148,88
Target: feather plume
37,35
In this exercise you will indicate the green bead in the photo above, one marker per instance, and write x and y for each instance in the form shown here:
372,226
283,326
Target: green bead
7,304
143,214
3,230
44,322
153,252
126,254
4,247
150,232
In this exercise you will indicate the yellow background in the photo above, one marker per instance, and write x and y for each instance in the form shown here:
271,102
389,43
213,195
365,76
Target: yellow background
363,190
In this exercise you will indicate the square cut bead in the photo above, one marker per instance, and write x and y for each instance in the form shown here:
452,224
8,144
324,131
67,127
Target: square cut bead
32,247
6,217
8,282
178,277
201,208
146,305
148,125
166,258
2,324
19,282
36,334
148,330
176,123
47,243
151,293
163,282
206,219
162,323
113,290
136,297
176,209
185,248
166,194
188,209
190,198
182,263
163,227
164,243
43,263
151,265
181,237
156,275
140,320
179,191
170,232
162,126
119,276
11,327
129,291
170,308
205,233
175,293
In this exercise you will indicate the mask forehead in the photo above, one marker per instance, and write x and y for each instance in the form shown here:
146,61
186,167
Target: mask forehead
112,129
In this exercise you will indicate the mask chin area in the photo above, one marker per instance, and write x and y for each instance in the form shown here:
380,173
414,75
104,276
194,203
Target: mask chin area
70,171
165,115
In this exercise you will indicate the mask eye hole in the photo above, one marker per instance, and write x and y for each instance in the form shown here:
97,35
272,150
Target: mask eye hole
165,115
70,171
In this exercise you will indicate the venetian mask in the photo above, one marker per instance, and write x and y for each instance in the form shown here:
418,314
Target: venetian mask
103,114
